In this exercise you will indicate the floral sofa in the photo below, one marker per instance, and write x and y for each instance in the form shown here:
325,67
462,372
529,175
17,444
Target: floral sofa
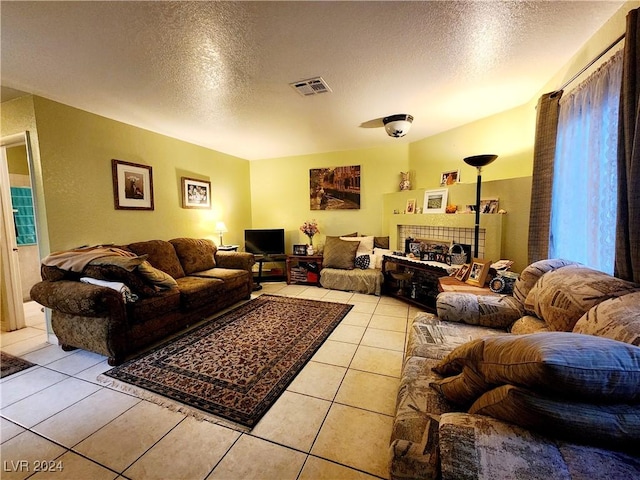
117,300
543,384
354,264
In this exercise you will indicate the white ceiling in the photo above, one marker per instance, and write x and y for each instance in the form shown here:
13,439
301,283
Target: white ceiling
217,74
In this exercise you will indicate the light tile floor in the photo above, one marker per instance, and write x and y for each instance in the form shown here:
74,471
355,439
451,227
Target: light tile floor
333,422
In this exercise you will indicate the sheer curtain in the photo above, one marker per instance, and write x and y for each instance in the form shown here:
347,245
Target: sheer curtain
584,192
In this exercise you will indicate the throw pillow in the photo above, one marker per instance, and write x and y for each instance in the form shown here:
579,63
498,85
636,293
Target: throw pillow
562,296
339,253
134,280
156,277
128,263
365,246
362,262
601,425
462,389
616,318
162,255
381,242
195,254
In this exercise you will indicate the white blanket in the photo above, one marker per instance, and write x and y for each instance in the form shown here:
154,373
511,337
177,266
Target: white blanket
127,295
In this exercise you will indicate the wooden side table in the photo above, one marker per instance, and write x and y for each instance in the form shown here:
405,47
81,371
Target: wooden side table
304,269
451,284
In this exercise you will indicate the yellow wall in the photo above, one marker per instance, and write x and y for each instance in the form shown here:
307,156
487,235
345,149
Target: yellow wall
280,192
76,148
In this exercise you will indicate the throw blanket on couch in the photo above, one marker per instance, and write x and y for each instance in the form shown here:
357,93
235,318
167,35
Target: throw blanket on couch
77,259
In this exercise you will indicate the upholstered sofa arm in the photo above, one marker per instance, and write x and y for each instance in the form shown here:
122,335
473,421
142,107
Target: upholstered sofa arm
487,310
81,299
240,260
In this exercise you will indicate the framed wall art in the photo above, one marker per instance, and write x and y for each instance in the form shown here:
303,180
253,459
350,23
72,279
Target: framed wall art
411,206
132,186
478,272
334,188
450,177
435,201
195,193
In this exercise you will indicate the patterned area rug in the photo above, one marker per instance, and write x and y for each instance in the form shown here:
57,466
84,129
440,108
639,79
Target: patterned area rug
10,364
235,366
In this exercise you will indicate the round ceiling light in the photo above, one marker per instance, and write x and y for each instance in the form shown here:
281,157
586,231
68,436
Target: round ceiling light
397,125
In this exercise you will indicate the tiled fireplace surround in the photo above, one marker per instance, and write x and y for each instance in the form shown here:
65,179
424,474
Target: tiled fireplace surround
447,234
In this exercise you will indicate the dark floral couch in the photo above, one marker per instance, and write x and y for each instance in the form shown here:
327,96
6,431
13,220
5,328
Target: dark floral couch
164,287
544,384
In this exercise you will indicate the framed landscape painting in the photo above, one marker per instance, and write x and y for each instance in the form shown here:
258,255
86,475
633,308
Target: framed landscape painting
334,188
195,193
435,201
132,185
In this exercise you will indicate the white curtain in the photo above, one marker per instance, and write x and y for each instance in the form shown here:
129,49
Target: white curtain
584,192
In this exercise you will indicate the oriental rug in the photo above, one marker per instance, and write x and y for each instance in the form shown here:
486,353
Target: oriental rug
235,366
10,364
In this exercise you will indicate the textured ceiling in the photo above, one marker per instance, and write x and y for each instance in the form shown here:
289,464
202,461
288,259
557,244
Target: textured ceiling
217,74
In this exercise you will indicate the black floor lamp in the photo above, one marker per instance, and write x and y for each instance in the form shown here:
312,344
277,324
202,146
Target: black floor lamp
478,161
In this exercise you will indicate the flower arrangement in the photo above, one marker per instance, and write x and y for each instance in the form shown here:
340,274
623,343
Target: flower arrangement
310,229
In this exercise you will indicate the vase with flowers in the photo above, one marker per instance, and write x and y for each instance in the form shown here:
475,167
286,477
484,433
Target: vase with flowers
310,229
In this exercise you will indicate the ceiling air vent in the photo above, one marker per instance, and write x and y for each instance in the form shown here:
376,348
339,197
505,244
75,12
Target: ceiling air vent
311,86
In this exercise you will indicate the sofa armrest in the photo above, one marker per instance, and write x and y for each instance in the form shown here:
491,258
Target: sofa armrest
239,260
81,299
487,310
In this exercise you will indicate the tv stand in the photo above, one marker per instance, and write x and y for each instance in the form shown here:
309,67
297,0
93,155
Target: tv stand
260,259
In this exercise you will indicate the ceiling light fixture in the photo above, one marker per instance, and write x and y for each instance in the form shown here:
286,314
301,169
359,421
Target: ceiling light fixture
397,125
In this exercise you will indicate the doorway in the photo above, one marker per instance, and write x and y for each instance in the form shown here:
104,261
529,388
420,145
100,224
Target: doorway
19,251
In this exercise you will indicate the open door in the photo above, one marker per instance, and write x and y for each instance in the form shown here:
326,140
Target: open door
11,308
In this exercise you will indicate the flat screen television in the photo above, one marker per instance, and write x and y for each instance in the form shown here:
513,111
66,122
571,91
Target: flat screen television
269,241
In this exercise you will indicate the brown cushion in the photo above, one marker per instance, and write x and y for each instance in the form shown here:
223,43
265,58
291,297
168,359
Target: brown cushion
339,253
196,292
381,242
195,254
562,296
602,425
572,365
161,255
156,277
616,318
533,272
113,273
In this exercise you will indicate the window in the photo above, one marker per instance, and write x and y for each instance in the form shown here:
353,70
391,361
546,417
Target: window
584,193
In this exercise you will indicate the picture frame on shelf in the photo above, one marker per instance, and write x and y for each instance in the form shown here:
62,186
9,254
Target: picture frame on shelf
435,201
195,193
488,205
299,249
478,272
461,274
450,177
411,206
132,185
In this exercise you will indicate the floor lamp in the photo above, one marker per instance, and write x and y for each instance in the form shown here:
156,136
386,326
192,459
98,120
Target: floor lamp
478,161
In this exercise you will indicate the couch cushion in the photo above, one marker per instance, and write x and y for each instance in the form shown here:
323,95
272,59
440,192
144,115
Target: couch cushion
161,255
528,324
615,426
233,278
162,303
196,292
339,253
561,297
195,254
571,365
616,318
498,311
156,277
532,273
113,273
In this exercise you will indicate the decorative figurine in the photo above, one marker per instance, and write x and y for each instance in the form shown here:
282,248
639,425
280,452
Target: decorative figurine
405,183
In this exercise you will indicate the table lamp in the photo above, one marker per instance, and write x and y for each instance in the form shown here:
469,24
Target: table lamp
478,161
221,228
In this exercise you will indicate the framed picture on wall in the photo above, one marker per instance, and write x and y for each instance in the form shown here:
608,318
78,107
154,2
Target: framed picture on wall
132,186
196,193
411,206
334,188
435,201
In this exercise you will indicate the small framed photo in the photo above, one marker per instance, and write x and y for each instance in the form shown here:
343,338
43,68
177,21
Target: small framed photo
461,274
196,193
132,186
450,177
411,206
435,201
478,272
299,249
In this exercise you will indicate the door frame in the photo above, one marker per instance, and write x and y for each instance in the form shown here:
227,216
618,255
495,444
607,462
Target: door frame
9,259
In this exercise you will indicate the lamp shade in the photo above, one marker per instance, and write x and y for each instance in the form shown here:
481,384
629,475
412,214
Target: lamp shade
480,160
397,125
221,227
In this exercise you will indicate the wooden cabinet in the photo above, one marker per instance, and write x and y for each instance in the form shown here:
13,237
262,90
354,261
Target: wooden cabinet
304,269
412,280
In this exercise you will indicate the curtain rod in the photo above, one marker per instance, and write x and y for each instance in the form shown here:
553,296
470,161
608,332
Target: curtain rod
615,42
